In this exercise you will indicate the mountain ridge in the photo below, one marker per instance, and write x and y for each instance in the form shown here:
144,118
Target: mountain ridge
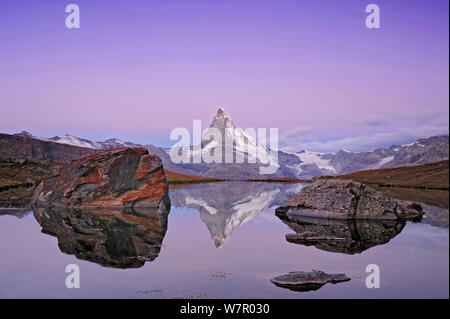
304,164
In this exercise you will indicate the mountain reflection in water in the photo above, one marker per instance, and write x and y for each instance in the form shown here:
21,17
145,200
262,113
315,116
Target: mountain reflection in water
111,238
226,205
129,238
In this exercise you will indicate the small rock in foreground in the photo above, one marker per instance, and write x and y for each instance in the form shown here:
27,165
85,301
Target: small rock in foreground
307,281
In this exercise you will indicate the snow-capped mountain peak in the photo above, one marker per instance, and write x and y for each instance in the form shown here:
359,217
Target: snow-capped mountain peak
73,140
81,142
24,134
114,142
222,120
243,146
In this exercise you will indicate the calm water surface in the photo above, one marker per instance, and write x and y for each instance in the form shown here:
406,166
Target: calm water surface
219,240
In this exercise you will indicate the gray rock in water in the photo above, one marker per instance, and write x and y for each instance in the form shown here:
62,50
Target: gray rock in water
347,199
307,281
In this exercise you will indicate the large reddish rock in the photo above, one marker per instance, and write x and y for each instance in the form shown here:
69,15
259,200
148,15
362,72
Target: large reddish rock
119,177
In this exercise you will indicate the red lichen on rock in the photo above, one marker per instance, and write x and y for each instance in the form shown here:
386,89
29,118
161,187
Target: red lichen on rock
118,177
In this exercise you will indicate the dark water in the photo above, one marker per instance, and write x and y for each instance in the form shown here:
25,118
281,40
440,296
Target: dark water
219,240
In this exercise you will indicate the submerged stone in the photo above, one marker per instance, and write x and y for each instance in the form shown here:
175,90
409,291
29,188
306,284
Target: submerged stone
307,281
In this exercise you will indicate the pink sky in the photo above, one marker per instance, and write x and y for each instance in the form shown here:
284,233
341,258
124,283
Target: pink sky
136,71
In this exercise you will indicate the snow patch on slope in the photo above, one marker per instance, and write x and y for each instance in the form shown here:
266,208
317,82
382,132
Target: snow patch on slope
385,160
72,140
308,157
211,210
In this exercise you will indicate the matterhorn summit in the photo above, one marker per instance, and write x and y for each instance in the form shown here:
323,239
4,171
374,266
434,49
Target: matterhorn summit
236,144
222,120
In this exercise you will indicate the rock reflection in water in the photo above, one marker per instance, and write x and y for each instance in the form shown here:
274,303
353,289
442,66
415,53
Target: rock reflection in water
341,236
111,238
17,212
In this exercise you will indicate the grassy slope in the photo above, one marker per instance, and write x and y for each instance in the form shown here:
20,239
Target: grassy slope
429,176
178,178
18,172
19,178
426,183
174,178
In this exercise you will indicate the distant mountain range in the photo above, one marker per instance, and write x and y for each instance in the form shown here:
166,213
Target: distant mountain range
81,142
422,151
304,164
23,146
